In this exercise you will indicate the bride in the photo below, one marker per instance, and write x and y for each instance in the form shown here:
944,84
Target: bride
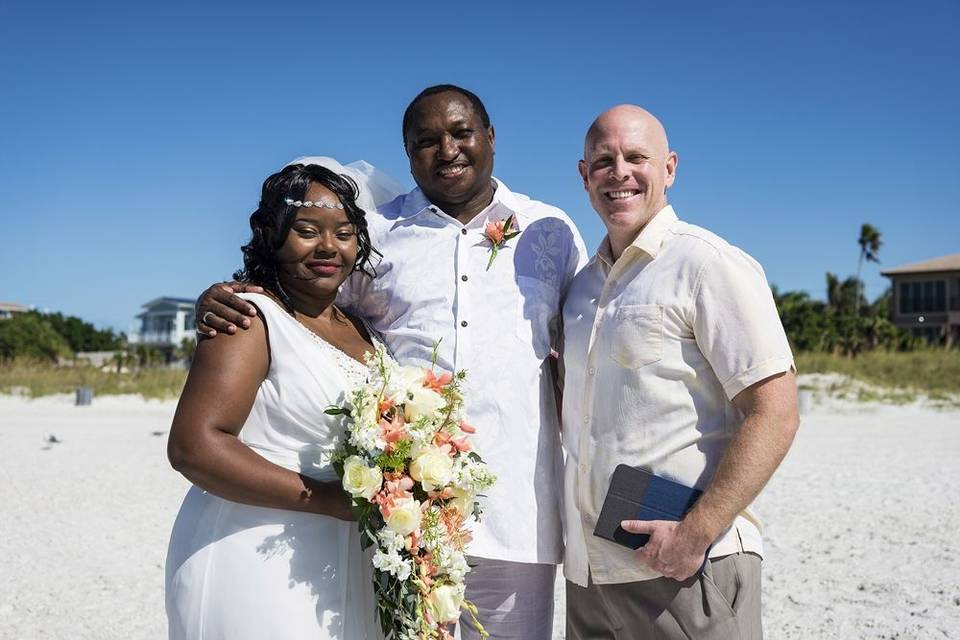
263,545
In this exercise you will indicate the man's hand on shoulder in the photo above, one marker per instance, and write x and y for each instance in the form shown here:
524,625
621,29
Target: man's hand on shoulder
674,550
220,309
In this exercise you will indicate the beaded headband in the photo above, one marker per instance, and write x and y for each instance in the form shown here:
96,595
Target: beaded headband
317,203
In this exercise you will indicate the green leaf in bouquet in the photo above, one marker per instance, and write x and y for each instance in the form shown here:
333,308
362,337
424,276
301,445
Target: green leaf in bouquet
334,410
397,459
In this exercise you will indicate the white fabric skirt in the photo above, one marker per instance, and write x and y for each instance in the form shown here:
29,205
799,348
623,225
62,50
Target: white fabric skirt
237,571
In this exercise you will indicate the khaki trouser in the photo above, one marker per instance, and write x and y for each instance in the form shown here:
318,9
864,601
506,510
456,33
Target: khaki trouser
514,599
721,604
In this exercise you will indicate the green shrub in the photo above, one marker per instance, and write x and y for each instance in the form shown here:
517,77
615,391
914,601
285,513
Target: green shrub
27,335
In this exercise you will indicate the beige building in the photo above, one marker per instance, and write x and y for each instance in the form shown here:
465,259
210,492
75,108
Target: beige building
926,299
7,309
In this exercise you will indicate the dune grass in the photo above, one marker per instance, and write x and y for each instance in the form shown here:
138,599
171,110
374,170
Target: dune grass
934,372
35,379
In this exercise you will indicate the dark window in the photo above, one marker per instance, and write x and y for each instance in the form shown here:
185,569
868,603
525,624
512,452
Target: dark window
906,298
923,297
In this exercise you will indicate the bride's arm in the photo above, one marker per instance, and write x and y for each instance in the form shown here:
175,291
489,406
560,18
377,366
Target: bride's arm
203,446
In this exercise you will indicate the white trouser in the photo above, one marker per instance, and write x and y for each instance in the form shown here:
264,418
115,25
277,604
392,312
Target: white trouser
514,599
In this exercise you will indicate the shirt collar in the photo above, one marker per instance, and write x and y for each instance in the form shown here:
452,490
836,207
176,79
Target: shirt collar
416,203
649,240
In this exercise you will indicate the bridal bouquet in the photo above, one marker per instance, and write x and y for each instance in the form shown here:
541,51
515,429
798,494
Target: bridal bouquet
408,464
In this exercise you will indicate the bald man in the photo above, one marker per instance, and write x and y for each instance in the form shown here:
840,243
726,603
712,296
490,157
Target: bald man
675,362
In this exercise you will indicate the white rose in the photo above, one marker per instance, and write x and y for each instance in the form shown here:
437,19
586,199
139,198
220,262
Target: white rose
431,467
405,516
421,401
463,502
444,603
402,380
359,480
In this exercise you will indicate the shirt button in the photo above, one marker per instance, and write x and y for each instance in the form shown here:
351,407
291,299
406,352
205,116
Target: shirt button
586,419
591,370
464,278
463,323
433,209
463,231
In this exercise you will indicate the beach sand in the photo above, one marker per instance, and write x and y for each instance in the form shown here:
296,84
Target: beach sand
861,522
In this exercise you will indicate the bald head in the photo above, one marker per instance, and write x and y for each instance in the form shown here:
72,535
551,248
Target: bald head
627,168
628,117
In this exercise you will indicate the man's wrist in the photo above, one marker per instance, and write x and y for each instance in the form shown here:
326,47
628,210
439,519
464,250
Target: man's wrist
697,532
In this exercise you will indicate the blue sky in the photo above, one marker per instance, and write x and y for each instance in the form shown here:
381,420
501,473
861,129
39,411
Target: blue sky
134,138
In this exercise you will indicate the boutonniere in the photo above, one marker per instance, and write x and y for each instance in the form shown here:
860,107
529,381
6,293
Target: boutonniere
498,232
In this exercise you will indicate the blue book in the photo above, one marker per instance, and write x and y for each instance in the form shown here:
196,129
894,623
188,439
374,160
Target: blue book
635,494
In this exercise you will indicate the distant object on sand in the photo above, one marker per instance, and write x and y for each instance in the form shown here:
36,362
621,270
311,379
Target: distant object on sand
84,396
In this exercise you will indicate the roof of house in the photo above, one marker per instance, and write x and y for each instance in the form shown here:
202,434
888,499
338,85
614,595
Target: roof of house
170,300
13,307
943,263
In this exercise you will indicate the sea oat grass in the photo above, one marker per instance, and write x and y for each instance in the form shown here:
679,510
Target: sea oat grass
36,379
934,372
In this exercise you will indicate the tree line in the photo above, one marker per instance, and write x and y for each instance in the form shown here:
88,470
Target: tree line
54,337
51,336
846,322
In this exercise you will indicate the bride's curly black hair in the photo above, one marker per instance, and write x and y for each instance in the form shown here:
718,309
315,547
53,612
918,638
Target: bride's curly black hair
272,220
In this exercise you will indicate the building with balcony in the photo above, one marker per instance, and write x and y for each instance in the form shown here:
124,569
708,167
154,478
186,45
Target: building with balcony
926,299
163,325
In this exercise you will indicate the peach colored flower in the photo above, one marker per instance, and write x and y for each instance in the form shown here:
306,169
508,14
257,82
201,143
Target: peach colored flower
494,231
396,488
497,232
437,383
449,444
385,405
445,494
393,430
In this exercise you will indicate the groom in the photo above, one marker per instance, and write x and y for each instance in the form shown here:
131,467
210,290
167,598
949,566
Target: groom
495,316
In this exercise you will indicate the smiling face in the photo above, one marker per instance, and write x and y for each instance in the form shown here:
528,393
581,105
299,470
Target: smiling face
321,247
450,151
627,168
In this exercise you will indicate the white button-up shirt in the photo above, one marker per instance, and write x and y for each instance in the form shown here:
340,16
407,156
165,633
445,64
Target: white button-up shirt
656,345
500,325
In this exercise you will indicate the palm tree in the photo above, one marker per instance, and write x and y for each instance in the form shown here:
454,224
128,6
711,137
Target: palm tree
870,242
843,296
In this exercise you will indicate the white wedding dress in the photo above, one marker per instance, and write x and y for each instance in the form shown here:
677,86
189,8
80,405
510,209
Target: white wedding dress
236,571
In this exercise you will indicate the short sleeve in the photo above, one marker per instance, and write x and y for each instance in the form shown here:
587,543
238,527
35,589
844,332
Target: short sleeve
736,324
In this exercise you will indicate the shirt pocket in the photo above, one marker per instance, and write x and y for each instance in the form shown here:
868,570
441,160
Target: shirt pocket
637,339
536,309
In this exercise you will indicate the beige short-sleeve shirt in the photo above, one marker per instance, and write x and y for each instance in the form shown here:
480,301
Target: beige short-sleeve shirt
656,346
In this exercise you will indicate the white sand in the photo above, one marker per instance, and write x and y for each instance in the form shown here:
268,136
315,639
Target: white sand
861,536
